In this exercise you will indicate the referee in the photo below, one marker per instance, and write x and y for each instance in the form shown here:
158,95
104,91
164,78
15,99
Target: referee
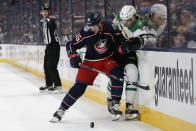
52,52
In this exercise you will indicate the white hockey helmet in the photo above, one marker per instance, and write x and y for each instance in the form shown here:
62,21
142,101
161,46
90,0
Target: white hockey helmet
160,10
127,12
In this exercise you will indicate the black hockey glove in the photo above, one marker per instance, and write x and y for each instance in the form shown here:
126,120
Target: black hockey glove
119,38
75,60
123,49
134,43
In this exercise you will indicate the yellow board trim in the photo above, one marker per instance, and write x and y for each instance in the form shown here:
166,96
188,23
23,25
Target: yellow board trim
165,122
150,116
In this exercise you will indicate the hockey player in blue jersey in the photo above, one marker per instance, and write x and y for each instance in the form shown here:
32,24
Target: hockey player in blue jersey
98,38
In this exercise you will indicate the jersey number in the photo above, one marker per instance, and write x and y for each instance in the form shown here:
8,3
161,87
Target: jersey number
78,37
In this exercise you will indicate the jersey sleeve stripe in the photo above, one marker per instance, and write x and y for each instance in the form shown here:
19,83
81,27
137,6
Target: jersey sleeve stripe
83,39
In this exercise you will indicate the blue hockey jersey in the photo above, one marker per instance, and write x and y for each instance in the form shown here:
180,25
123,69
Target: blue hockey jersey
98,46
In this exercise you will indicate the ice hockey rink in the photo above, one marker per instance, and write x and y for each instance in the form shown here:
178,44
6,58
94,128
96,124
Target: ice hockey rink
23,108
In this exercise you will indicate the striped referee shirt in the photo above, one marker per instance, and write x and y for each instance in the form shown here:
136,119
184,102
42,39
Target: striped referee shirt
49,31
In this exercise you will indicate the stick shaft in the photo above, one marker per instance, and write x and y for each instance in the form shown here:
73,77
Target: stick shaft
117,78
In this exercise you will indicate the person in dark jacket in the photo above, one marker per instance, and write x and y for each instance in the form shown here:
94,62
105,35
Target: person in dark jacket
52,52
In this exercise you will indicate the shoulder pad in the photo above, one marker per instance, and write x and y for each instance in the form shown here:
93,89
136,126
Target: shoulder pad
106,26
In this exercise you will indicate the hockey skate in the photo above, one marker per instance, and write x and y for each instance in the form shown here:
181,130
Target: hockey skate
55,89
115,111
130,112
57,116
109,104
44,89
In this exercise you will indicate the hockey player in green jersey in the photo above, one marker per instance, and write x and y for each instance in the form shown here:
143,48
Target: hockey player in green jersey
130,25
155,26
127,23
158,22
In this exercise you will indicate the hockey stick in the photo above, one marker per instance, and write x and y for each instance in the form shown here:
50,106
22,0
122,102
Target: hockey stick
147,87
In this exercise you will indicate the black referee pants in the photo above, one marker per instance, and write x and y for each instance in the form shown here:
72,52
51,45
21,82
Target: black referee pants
51,59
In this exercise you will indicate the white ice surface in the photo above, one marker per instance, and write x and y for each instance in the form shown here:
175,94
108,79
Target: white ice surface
23,108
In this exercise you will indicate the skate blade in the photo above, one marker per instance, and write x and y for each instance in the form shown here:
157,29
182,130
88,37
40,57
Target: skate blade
56,92
43,91
130,117
116,117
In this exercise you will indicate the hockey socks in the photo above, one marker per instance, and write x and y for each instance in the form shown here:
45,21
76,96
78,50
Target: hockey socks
116,86
74,93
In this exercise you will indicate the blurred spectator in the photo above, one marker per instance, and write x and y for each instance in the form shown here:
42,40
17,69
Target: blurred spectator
173,16
66,35
159,22
1,35
182,17
145,6
178,40
188,24
18,19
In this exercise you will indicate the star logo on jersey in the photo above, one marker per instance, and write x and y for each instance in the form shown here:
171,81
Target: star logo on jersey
101,46
140,23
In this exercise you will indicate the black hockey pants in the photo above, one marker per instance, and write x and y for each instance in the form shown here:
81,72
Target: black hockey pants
51,59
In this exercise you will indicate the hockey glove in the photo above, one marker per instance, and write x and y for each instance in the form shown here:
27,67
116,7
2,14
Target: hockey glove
134,43
75,60
123,49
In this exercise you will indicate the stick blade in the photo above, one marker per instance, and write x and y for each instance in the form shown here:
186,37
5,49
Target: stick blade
154,82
